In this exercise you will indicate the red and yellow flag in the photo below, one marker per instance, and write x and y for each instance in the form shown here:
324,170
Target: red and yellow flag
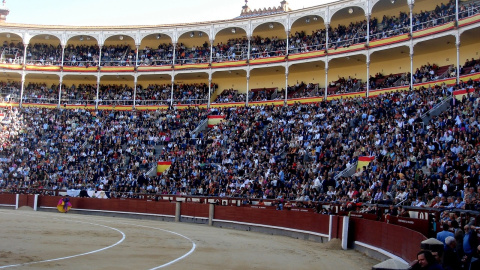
163,166
364,161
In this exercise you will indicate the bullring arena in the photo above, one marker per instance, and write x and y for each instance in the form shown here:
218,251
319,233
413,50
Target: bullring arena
338,136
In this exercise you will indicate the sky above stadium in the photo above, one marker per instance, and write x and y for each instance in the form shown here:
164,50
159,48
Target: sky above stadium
134,12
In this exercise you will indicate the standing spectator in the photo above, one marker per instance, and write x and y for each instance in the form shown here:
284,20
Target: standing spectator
441,236
451,260
470,241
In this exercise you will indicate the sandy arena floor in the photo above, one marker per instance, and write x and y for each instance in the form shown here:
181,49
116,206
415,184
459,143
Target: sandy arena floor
46,240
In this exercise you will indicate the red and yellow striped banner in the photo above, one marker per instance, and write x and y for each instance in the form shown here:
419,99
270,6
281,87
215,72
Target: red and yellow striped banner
162,166
469,20
229,64
459,94
117,69
356,47
80,69
214,120
11,66
305,55
260,61
364,161
191,66
433,30
42,68
388,41
153,68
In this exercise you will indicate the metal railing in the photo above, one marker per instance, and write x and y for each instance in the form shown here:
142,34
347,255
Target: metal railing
433,23
437,109
305,48
347,171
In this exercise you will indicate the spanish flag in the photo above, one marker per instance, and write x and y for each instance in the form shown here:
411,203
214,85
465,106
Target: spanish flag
163,166
363,161
214,120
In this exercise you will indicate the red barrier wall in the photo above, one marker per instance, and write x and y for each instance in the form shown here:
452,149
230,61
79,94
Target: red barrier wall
122,205
194,210
398,240
289,219
7,199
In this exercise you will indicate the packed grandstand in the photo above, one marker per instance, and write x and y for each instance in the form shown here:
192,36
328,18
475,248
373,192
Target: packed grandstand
303,97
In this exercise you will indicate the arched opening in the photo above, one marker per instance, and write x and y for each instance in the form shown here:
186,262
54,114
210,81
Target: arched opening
469,52
12,49
191,88
118,50
267,84
153,90
231,44
232,86
431,13
434,59
116,90
390,68
81,51
193,48
389,18
41,88
79,90
307,34
348,27
44,50
306,80
347,75
156,50
10,86
268,39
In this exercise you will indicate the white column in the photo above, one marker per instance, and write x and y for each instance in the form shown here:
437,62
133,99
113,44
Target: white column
25,47
171,92
326,37
288,37
248,85
211,51
134,89
458,58
248,49
63,55
411,67
35,202
456,12
330,226
98,90
368,73
174,55
411,44
326,79
136,58
22,88
209,87
345,232
99,57
60,90
17,199
286,84
368,29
